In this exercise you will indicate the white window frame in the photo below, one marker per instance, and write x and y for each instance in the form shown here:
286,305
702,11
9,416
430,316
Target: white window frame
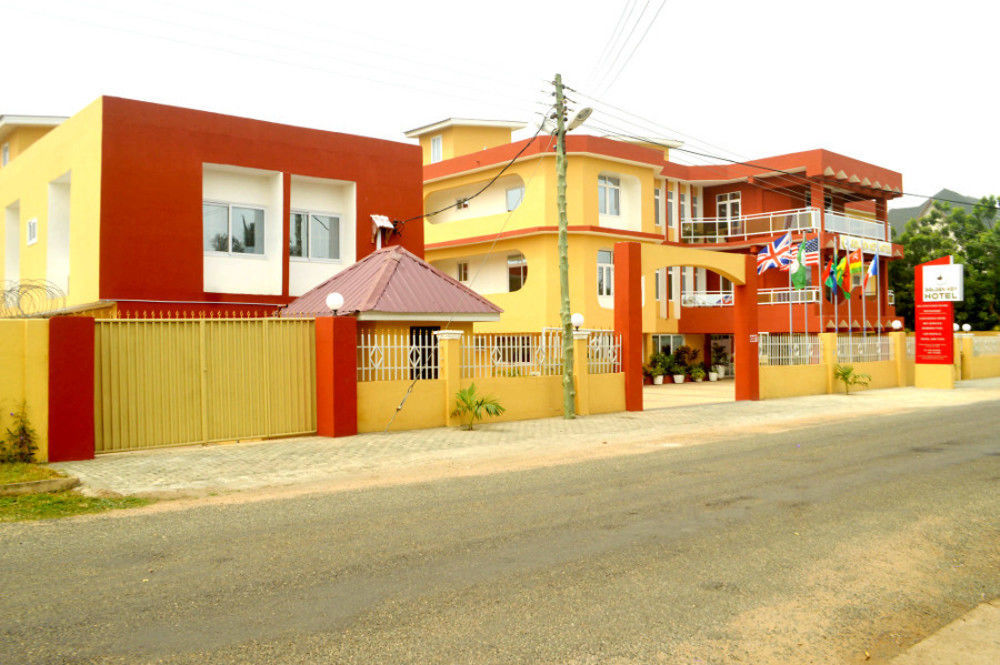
657,205
306,238
606,186
671,217
725,202
263,232
32,231
681,206
437,149
605,274
462,271
672,338
521,263
5,154
695,206
520,197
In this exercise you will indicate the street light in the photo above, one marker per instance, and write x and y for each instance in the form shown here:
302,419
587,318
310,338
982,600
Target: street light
966,327
897,324
576,320
334,301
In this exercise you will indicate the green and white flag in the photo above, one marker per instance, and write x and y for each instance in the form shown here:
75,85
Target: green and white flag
798,269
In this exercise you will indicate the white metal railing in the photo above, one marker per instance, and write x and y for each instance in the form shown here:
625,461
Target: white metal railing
784,295
858,348
986,346
397,355
723,229
707,298
854,226
890,297
911,346
495,354
604,352
788,349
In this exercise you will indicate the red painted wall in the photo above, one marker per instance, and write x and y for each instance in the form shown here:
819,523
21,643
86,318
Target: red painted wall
151,220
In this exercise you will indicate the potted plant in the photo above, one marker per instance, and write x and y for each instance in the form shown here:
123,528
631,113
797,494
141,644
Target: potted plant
656,372
719,359
710,371
677,370
698,373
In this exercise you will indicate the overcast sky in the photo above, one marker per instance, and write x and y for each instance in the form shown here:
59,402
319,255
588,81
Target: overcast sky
908,85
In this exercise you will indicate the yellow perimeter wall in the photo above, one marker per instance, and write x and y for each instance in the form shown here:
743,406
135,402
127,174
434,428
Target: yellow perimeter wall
73,148
24,376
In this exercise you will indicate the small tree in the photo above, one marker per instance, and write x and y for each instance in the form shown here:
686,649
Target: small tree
473,407
20,443
846,375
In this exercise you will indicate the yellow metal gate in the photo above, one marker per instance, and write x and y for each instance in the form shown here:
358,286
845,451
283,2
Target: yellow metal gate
169,382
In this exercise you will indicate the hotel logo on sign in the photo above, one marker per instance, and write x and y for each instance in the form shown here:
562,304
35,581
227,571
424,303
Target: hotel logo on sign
944,283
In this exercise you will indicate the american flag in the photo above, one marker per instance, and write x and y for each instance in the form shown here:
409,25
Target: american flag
810,250
776,254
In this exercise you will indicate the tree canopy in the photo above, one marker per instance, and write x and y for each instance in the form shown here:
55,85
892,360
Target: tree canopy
973,239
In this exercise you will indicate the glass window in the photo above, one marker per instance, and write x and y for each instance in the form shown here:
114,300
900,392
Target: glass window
605,273
215,224
514,197
246,230
463,271
5,154
324,237
657,219
695,209
517,272
297,234
670,208
727,206
683,202
608,195
437,153
667,343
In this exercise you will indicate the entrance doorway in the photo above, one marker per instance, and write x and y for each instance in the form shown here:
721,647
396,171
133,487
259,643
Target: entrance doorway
423,352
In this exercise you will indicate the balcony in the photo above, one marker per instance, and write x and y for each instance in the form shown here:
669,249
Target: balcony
778,296
854,226
731,229
707,298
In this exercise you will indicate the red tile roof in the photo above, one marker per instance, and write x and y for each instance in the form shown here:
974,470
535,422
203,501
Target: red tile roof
393,281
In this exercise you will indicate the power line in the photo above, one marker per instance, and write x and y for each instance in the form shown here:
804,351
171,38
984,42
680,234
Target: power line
621,47
626,8
635,48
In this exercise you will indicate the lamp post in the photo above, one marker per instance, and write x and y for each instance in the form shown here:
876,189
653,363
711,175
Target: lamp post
565,320
334,301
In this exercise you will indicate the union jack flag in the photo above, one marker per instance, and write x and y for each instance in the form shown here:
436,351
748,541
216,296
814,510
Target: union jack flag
776,254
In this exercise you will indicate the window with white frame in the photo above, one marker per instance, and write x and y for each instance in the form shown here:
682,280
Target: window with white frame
437,151
4,154
695,207
605,273
517,272
313,235
657,202
670,208
727,206
463,271
32,231
232,229
683,203
609,195
514,197
667,343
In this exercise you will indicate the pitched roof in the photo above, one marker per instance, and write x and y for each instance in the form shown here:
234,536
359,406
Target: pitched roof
392,281
898,217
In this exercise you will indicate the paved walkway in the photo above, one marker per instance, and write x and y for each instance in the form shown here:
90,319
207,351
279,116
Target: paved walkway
671,395
378,459
973,639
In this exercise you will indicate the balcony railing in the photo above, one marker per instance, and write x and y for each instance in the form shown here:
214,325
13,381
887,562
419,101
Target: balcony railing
854,226
784,295
726,229
707,298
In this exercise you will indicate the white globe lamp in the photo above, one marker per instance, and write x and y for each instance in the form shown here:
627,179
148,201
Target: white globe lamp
576,320
334,301
897,324
966,327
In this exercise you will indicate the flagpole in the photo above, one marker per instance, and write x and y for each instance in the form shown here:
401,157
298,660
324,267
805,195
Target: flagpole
789,304
850,296
864,298
819,271
878,294
836,291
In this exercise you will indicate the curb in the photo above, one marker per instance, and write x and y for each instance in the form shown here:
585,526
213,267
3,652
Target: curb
39,486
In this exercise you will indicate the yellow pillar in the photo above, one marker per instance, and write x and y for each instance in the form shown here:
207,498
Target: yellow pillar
449,360
967,356
581,372
828,356
898,342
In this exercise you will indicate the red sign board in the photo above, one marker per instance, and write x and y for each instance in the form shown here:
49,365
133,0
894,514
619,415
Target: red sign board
935,342
934,323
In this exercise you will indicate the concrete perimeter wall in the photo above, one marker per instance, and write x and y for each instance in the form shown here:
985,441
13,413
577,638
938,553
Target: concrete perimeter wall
24,376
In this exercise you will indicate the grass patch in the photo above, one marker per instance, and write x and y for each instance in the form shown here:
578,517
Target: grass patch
60,504
21,472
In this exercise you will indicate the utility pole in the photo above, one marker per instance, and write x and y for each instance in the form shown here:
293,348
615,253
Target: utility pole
569,393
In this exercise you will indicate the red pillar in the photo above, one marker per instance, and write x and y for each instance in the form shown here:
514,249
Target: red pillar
628,318
71,388
745,333
336,375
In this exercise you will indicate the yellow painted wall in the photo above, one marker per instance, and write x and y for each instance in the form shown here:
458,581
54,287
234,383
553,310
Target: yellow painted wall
377,402
72,147
983,367
24,375
607,393
21,138
793,381
883,375
459,140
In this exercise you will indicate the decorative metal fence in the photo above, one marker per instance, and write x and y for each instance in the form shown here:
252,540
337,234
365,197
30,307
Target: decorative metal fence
720,229
855,226
397,355
856,348
785,349
495,354
167,382
986,346
604,352
911,346
707,298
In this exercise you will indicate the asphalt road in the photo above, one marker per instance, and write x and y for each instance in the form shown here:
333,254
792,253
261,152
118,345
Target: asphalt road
809,546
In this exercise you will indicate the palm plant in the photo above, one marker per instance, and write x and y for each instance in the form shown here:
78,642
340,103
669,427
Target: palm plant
846,375
472,407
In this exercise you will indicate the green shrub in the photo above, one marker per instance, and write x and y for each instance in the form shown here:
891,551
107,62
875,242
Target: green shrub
21,441
846,375
473,407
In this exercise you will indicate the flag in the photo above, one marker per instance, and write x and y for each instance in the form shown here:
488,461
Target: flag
856,261
843,276
811,251
775,254
830,280
872,271
799,269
